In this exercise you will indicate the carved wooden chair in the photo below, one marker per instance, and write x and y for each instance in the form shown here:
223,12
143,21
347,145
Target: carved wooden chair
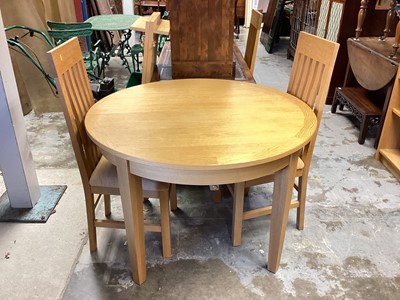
99,176
252,39
309,81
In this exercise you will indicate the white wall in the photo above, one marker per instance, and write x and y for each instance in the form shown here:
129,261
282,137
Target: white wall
127,7
254,4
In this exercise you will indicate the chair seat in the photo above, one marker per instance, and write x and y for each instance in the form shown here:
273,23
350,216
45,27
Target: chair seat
105,175
136,49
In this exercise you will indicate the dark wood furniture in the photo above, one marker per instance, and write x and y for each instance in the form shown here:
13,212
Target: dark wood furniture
371,68
241,70
368,83
282,13
149,6
239,15
359,102
201,38
374,25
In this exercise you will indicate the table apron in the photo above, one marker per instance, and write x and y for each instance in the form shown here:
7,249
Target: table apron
207,177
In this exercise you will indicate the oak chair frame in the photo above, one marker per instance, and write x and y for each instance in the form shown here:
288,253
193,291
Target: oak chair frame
76,99
309,81
253,38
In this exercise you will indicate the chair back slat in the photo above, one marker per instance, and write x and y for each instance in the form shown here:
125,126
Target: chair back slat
314,84
312,70
310,78
252,39
77,98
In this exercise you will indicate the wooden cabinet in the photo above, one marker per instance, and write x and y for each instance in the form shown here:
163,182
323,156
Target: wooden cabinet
373,26
240,8
147,7
239,15
388,151
201,38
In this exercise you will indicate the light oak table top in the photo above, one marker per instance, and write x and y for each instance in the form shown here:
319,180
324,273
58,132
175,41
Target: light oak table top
200,132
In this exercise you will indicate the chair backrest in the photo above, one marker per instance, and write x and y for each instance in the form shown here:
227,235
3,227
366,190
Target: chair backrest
152,26
311,75
68,26
73,85
312,70
62,31
60,36
252,39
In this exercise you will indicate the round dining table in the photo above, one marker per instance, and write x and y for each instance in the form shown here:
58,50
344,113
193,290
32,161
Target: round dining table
201,132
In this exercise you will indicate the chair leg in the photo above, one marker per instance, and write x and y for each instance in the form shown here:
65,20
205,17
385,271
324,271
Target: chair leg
107,205
165,225
363,130
172,197
237,219
301,197
217,195
90,214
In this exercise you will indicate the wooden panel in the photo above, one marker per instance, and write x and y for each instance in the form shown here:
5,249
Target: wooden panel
202,69
240,8
241,70
202,38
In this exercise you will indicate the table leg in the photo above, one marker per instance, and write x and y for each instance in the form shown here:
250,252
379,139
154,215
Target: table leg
237,218
282,195
132,205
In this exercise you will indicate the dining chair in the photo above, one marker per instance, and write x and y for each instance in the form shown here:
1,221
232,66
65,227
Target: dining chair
152,26
99,176
252,39
92,55
309,81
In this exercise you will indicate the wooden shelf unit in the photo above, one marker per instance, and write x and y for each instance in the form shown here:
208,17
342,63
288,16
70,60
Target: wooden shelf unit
388,151
148,7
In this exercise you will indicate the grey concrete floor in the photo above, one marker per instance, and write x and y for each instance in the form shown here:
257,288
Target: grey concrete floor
348,249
